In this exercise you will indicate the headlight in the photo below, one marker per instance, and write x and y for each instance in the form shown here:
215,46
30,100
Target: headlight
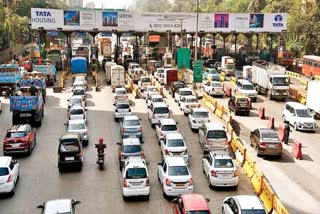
194,121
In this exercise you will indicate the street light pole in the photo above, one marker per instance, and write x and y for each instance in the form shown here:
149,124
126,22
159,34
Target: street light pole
197,29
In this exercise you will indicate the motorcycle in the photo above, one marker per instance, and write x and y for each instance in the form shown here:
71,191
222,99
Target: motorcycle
100,160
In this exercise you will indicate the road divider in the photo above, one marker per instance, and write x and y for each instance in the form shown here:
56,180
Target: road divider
297,150
293,74
222,76
233,81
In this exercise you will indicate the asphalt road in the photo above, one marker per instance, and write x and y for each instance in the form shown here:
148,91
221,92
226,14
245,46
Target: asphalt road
99,191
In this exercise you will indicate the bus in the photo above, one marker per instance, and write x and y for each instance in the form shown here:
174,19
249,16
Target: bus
311,64
287,59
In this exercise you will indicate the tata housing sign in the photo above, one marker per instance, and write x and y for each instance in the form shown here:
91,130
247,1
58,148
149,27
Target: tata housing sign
49,19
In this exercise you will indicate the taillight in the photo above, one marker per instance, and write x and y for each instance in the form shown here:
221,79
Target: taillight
125,184
190,182
121,154
124,130
140,129
10,178
153,116
142,154
186,151
147,182
161,134
207,141
166,151
264,144
279,145
187,106
213,173
168,182
235,174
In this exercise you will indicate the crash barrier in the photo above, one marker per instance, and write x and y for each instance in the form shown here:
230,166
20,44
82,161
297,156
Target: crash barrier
233,81
297,94
271,123
293,74
222,76
303,84
281,132
297,150
262,113
260,184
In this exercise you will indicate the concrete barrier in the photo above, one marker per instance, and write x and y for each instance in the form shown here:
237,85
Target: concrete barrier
256,179
267,195
293,74
248,166
278,207
222,76
233,81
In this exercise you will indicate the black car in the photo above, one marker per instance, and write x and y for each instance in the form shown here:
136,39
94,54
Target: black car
209,63
70,153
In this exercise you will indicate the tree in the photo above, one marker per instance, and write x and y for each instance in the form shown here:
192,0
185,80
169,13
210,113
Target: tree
143,6
18,28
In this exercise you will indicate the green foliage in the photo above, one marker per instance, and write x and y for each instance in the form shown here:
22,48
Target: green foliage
155,6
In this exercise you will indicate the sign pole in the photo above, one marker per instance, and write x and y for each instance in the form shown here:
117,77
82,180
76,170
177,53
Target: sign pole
196,46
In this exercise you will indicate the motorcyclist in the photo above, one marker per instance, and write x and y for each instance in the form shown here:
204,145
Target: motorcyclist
100,146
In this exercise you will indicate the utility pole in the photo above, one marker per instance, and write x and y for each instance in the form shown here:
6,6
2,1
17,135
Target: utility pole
197,29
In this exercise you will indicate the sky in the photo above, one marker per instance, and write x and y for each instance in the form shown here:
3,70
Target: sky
118,4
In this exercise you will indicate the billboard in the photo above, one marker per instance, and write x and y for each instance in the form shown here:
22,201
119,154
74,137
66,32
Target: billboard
124,21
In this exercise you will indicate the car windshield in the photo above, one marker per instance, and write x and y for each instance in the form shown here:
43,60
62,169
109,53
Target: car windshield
69,147
217,134
175,143
123,106
80,79
120,92
303,113
160,71
178,170
161,110
157,64
253,211
212,71
198,212
16,134
192,100
145,79
78,92
216,84
201,114
179,85
269,136
136,173
152,90
169,128
157,100
4,171
248,87
76,111
131,123
280,81
185,93
223,163
76,126
135,66
131,148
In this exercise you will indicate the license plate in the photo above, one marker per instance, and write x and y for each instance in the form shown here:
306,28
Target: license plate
225,175
15,145
271,146
179,185
25,115
69,158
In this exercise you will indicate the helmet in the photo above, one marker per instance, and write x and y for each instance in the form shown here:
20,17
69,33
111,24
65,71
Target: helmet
100,140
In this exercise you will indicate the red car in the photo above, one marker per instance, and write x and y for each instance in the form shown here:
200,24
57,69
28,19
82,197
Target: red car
191,203
19,139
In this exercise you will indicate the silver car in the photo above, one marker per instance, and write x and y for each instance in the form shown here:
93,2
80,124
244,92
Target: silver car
130,126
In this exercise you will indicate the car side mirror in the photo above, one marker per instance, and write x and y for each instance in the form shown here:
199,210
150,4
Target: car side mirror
86,109
159,164
65,124
177,123
175,200
14,161
41,206
140,118
75,202
68,99
118,143
207,200
114,104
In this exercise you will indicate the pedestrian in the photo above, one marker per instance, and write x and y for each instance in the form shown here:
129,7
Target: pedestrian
33,90
287,133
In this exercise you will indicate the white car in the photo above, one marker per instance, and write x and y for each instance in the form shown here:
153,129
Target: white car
298,115
149,91
131,68
187,103
161,78
0,106
220,169
182,92
158,72
59,206
81,79
122,109
80,91
242,204
77,112
244,87
154,99
174,176
173,145
197,117
144,82
9,174
76,100
213,136
135,178
78,83
79,126
165,126
158,111
120,94
214,88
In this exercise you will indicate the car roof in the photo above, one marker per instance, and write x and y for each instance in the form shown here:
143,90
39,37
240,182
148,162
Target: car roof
220,153
131,117
247,82
194,202
167,121
174,136
266,130
5,161
77,106
78,87
135,162
190,97
58,206
215,82
120,89
185,89
155,105
296,105
131,141
200,110
18,128
175,161
248,202
215,126
76,121
145,77
151,86
70,135
76,97
120,102
156,96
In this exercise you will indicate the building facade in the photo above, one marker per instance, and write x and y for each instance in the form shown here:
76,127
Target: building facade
75,3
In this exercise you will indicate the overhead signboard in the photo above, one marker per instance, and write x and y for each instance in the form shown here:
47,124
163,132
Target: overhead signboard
154,38
89,20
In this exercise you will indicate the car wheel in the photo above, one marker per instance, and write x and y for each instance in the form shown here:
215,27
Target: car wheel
29,151
210,185
164,195
296,127
257,150
148,197
13,189
284,119
124,198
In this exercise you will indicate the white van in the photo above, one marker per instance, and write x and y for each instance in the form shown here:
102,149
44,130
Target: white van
118,77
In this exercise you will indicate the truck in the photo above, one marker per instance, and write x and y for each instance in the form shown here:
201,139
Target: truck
313,102
118,76
37,81
106,49
167,60
26,108
49,71
228,65
79,66
170,76
270,79
55,56
108,66
9,77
